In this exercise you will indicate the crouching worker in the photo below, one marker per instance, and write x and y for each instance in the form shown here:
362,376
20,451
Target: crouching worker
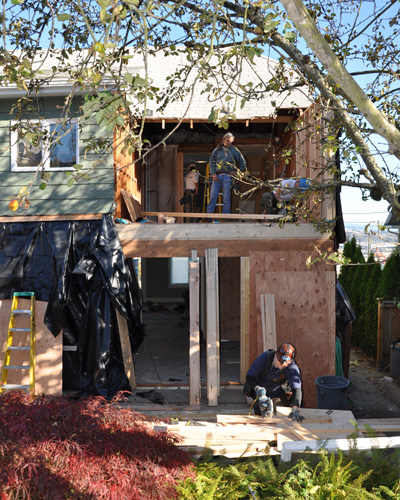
275,374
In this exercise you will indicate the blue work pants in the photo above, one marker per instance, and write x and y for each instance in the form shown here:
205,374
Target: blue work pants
224,182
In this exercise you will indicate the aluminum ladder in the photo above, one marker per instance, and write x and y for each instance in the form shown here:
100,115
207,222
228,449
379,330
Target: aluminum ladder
15,318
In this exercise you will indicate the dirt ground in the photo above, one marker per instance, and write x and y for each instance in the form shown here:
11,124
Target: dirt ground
372,394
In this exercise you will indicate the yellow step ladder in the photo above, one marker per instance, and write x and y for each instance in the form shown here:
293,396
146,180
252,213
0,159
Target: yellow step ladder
220,202
15,317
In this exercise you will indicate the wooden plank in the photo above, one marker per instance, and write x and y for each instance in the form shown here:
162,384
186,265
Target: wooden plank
283,437
256,420
244,317
300,431
192,215
339,418
338,444
212,328
267,302
247,419
194,328
133,206
126,349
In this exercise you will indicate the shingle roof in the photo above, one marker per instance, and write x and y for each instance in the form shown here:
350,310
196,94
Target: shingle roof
204,98
202,101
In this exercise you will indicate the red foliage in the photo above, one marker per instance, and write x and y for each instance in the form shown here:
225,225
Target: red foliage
56,448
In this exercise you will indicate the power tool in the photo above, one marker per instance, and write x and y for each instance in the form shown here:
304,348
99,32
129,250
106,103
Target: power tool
264,402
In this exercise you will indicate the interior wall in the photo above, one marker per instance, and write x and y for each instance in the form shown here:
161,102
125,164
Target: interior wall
229,293
155,282
260,164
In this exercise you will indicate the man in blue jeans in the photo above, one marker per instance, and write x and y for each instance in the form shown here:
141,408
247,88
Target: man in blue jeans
225,161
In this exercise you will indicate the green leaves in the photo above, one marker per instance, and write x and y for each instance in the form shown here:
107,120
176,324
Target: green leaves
269,23
63,17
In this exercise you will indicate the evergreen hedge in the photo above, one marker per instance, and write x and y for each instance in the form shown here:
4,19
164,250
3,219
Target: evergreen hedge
364,284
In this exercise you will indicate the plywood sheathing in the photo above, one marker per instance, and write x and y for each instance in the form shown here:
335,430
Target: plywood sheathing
305,311
49,350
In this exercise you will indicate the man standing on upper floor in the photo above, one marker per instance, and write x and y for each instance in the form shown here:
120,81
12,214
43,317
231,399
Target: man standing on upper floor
226,160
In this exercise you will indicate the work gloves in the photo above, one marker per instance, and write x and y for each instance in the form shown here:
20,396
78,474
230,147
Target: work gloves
296,415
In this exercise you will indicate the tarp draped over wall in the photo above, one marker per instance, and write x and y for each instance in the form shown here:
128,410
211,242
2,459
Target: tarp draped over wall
78,267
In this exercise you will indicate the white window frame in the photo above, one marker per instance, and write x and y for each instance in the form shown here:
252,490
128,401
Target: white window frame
46,156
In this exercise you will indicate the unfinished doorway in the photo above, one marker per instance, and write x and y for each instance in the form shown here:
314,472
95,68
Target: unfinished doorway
163,357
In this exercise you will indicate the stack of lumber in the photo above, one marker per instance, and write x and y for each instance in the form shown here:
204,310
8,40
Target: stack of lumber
241,435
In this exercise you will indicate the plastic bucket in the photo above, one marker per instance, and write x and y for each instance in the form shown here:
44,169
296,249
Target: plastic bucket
394,369
332,392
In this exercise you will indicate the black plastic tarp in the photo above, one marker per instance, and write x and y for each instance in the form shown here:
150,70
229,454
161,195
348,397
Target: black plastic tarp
344,310
78,267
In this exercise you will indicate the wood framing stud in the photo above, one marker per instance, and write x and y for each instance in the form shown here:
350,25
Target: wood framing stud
194,341
212,326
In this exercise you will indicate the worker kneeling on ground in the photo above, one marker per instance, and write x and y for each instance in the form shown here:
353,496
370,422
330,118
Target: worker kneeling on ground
275,374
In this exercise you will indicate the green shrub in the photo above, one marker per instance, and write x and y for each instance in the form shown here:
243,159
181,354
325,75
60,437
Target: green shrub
358,476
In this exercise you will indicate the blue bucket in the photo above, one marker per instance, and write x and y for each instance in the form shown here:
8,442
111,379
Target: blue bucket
332,392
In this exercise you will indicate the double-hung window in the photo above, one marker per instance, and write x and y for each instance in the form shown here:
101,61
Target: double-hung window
52,145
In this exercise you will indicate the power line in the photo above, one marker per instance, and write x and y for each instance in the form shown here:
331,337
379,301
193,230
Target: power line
363,213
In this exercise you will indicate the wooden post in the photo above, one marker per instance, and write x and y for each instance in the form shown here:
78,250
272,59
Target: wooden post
244,316
126,350
267,302
379,341
194,341
212,326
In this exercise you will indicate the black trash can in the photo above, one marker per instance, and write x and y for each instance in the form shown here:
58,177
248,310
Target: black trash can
332,392
394,369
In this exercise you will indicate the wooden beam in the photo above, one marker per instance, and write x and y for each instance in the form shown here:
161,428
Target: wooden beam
194,328
126,350
190,215
226,248
256,119
268,320
212,326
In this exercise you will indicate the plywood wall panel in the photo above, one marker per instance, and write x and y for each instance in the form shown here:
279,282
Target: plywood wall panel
48,351
304,308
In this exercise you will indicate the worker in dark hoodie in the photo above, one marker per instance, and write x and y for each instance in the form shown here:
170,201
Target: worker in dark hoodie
275,374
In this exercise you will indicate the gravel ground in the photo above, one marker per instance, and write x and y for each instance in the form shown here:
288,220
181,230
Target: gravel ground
372,394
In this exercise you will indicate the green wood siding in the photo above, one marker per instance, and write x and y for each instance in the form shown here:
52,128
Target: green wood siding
91,196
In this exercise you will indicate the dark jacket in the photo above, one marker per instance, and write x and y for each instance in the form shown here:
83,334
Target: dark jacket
263,373
224,160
